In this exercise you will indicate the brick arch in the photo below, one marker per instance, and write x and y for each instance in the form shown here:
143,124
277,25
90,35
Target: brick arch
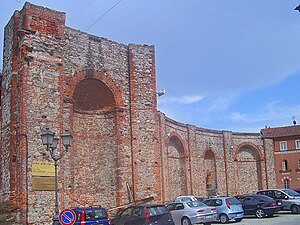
177,166
174,134
94,132
209,150
248,168
79,76
247,144
210,169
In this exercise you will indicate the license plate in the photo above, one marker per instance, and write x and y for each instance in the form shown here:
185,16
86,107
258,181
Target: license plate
209,217
279,203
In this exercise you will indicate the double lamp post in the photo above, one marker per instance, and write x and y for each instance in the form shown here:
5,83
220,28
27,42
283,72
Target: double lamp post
50,140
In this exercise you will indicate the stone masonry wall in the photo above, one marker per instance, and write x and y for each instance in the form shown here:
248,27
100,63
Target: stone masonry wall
105,93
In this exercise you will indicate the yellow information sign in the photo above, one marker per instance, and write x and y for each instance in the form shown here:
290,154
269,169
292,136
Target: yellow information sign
43,183
43,169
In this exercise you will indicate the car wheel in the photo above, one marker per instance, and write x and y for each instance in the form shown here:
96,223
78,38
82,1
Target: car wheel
224,218
259,213
295,209
186,221
238,220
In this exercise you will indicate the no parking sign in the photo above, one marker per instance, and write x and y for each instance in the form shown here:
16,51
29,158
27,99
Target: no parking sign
67,217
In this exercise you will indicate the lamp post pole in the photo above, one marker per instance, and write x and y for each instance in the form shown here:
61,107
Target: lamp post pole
50,141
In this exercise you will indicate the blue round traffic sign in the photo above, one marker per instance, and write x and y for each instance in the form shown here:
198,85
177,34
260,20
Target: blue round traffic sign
67,217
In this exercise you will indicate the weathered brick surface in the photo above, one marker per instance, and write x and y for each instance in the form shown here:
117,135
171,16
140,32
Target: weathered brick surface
105,93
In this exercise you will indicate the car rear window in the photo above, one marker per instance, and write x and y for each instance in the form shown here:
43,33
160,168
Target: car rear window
94,214
157,210
233,201
195,204
263,197
213,202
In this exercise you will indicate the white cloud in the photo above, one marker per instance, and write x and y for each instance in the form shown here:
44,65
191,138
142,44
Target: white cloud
180,100
272,111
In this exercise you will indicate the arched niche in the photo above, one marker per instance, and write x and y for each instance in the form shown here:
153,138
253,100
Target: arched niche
177,167
210,172
95,156
248,169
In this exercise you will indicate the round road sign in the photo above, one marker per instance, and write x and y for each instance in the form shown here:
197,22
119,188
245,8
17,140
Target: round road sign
67,217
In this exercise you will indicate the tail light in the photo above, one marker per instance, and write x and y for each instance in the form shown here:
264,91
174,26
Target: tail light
146,215
106,215
82,221
213,209
200,210
227,204
273,204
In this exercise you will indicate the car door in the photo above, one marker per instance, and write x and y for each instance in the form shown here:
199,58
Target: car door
124,218
279,195
249,205
176,210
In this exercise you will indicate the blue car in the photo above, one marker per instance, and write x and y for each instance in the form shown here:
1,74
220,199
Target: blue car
227,208
91,215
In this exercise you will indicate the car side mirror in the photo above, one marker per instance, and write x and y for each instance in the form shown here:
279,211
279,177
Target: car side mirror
286,197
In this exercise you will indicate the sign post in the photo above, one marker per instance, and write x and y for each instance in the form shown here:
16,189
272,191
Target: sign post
67,217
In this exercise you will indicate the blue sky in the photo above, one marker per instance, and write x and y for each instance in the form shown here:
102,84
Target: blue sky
225,64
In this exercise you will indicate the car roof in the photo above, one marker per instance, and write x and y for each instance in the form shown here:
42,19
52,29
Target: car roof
221,197
87,208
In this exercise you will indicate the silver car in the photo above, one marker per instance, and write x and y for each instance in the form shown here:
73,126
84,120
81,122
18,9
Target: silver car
227,208
192,212
290,199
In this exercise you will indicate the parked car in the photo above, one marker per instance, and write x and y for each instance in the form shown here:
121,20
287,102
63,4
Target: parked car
227,208
192,212
187,198
144,215
91,215
290,199
260,205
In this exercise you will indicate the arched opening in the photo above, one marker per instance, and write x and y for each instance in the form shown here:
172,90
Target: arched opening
94,125
177,176
210,173
285,165
249,170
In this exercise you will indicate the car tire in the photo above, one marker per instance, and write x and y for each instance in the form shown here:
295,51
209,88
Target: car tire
223,218
238,220
186,221
295,209
260,213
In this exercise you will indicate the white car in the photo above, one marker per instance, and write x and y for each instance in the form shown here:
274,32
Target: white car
192,212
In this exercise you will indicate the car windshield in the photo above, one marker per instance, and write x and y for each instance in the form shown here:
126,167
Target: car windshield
157,210
291,193
195,204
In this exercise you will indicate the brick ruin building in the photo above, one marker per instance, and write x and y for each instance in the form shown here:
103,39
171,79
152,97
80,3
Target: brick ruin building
105,93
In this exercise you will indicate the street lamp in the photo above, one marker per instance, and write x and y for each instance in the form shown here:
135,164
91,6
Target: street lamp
50,140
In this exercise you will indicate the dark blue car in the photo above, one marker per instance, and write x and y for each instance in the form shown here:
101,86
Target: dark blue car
91,216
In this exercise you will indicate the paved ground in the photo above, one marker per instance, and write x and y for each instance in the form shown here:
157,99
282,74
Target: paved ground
282,218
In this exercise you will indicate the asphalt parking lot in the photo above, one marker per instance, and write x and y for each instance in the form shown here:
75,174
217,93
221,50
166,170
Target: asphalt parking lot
281,218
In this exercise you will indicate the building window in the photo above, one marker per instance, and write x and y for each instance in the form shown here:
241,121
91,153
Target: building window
283,145
286,184
298,144
284,165
299,164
